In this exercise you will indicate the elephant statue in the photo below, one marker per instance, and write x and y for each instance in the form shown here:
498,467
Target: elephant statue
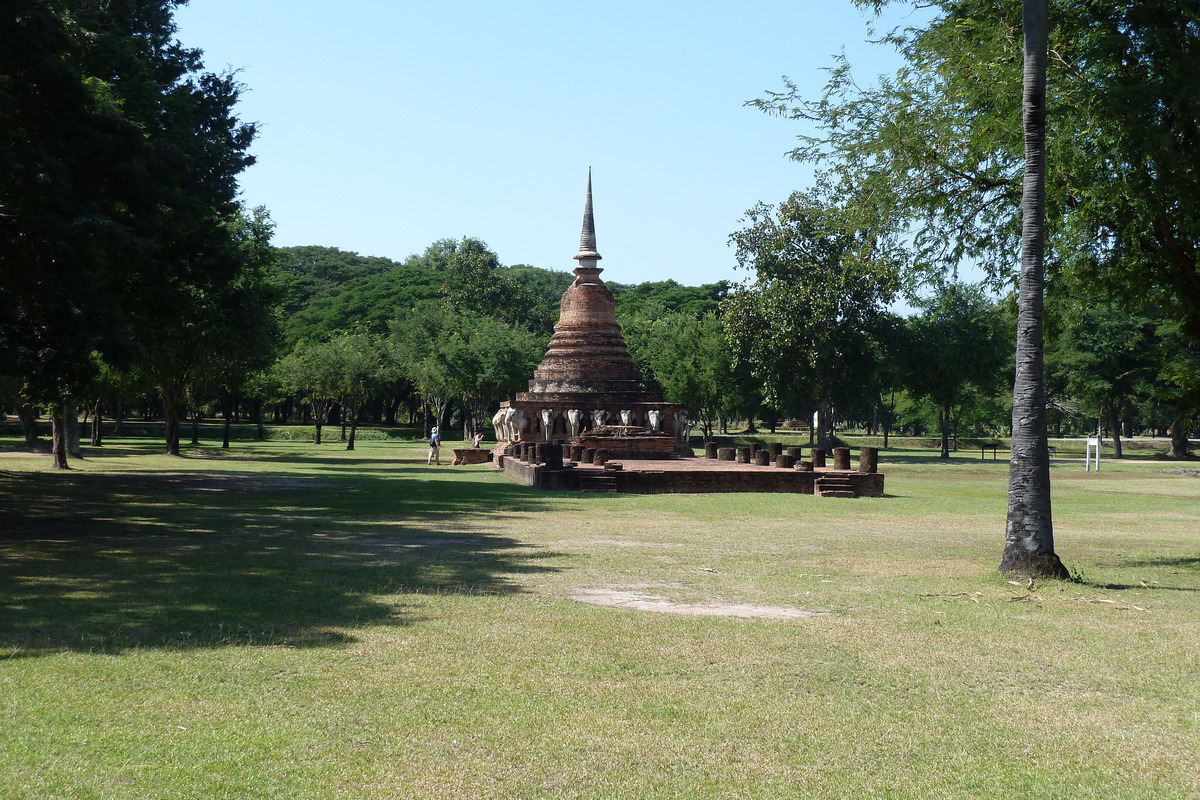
548,415
599,417
574,421
655,418
681,425
498,424
519,423
627,417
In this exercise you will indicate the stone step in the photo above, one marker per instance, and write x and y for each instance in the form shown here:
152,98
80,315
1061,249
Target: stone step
835,486
597,483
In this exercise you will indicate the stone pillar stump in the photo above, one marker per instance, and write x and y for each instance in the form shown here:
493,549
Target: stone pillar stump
774,448
795,452
868,459
784,461
743,455
841,458
762,458
600,457
710,450
726,454
818,458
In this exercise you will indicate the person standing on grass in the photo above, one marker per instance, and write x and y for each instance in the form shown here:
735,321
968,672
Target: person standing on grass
435,447
475,440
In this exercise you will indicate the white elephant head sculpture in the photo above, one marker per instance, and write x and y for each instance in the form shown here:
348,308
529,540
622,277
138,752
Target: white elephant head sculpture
547,415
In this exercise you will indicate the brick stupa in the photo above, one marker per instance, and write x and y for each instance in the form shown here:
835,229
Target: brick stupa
587,389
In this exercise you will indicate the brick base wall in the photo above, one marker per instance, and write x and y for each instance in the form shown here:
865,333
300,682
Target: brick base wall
666,481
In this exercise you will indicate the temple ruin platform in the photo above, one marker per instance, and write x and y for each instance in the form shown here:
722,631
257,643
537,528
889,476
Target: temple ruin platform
692,476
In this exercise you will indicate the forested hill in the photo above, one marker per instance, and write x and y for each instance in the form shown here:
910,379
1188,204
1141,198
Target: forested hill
326,291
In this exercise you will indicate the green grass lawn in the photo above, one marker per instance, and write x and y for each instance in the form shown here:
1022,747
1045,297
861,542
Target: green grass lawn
286,621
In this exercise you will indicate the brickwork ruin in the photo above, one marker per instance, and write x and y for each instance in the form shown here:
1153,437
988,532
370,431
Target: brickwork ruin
588,422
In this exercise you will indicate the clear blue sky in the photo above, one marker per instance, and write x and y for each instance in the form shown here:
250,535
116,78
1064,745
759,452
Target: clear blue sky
388,125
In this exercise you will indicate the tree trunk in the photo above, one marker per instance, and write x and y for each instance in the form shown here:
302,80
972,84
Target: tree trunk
822,426
260,431
1114,421
172,413
58,438
98,424
944,426
1180,446
1029,535
28,416
228,404
71,428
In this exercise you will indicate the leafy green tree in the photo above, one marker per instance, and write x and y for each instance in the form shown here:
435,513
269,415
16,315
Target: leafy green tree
934,150
474,361
69,179
357,365
329,291
546,287
820,284
474,283
668,297
312,373
957,344
1177,387
690,360
243,338
190,149
1105,357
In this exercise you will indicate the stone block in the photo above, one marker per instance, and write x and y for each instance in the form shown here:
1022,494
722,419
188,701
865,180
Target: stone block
841,458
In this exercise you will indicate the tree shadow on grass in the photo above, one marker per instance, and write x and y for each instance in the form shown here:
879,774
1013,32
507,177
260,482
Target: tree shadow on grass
105,562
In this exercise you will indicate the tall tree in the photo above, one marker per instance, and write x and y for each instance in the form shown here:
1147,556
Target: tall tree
1029,536
193,148
70,177
1102,356
821,280
957,343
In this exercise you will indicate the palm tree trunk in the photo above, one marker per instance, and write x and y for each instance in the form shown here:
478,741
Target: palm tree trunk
1029,537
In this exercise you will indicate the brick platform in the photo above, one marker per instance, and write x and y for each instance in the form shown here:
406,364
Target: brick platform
471,455
691,475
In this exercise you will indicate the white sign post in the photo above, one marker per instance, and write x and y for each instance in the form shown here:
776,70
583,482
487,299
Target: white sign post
1092,442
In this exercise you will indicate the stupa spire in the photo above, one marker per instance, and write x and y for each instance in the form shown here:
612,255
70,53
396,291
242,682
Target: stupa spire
587,255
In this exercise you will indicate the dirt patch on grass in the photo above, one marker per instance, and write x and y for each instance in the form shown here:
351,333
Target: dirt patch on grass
621,543
646,602
1191,473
